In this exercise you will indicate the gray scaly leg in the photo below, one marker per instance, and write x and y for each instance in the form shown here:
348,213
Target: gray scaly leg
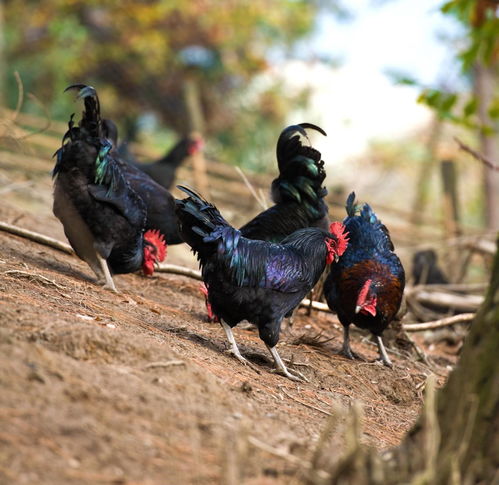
382,352
105,269
281,368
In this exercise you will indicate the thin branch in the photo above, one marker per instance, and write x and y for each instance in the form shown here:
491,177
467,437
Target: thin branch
327,413
181,270
476,154
458,287
443,322
36,237
316,305
47,117
286,456
34,276
262,203
169,363
20,95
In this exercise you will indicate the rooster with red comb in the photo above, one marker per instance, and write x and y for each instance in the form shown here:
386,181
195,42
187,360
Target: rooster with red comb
366,287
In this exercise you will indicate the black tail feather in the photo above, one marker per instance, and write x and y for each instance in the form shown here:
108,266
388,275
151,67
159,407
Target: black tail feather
91,120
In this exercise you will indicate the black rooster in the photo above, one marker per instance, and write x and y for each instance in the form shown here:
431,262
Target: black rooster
159,202
297,192
253,280
366,286
103,217
163,170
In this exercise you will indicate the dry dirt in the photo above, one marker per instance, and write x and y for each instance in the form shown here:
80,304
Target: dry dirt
136,387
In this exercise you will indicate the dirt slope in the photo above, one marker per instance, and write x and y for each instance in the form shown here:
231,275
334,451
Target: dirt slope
136,388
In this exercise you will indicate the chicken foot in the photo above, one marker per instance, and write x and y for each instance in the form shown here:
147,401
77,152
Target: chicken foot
346,350
107,274
382,352
234,350
294,375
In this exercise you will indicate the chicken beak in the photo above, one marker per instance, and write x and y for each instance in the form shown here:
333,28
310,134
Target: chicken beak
358,308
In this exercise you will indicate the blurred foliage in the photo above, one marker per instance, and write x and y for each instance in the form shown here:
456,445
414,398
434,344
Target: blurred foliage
480,43
139,53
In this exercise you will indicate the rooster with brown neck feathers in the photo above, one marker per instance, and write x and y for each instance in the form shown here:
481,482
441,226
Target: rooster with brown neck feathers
103,217
366,286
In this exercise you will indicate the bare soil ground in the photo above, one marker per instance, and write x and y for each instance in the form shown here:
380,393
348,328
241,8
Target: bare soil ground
136,387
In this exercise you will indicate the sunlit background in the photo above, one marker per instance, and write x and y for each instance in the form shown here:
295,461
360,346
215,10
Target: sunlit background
392,83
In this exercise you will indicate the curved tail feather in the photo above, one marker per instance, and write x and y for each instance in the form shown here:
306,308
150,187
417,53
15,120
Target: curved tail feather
301,171
91,120
201,224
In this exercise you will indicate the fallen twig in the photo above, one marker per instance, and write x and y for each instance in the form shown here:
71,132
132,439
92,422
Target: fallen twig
443,322
316,305
169,363
181,270
458,287
476,155
311,406
36,237
286,456
34,276
461,302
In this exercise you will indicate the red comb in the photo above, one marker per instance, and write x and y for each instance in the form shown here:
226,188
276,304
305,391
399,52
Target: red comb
154,237
338,229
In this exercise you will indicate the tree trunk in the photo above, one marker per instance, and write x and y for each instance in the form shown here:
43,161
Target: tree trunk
3,66
426,169
196,124
468,408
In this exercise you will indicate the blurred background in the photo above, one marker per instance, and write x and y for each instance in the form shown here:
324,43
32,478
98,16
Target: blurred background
392,82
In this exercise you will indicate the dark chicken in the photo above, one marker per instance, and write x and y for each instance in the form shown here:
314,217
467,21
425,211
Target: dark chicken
159,202
255,280
163,170
366,286
297,192
103,217
425,269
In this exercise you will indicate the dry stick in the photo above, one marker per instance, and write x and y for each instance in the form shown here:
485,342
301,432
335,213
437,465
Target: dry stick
262,203
443,322
20,95
36,236
458,287
464,303
476,155
286,456
38,277
169,363
180,270
316,305
304,403
47,117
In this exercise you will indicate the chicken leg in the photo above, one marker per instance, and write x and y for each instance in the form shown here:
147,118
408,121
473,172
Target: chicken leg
234,348
382,352
346,349
281,368
107,274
